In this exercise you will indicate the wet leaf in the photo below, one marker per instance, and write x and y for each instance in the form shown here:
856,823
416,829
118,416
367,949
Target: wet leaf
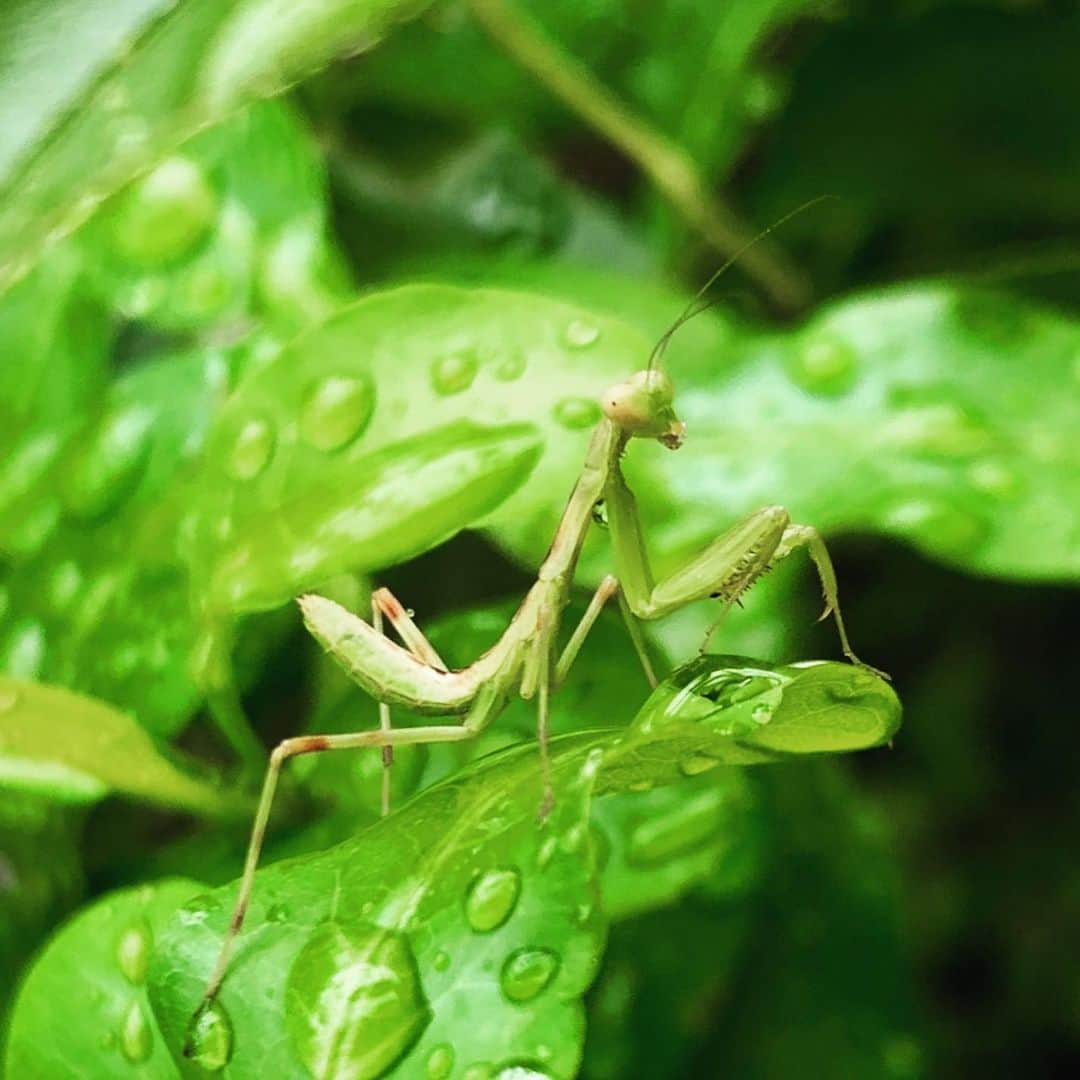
136,97
410,415
460,907
104,951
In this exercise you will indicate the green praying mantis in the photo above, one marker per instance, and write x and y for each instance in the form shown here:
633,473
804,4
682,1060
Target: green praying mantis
526,659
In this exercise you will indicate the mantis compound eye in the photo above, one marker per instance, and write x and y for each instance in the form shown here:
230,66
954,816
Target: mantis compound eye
643,406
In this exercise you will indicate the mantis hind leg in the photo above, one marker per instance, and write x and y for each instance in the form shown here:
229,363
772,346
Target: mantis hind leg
806,536
308,744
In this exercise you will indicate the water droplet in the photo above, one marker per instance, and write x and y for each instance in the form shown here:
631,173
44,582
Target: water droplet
136,1035
733,700
511,367
163,216
133,953
440,1062
63,585
210,1038
277,913
251,449
441,960
454,373
931,423
101,467
361,1007
22,653
337,409
938,525
547,850
685,827
576,413
527,972
761,714
697,764
995,478
491,898
573,838
580,334
521,1072
825,366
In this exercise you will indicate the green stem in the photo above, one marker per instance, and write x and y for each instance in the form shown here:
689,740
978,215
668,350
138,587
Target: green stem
667,164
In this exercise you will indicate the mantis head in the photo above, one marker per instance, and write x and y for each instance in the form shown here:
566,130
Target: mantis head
644,407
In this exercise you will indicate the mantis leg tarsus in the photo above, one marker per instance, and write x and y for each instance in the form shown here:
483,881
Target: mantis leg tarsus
796,536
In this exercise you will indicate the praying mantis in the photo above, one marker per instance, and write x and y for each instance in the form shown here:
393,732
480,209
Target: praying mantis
526,659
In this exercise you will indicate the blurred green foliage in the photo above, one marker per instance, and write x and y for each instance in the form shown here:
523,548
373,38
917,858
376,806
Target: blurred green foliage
257,342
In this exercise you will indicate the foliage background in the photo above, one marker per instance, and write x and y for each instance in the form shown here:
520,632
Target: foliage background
908,912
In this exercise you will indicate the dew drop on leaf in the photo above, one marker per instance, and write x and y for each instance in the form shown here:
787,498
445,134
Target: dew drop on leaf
355,1004
22,652
824,366
453,374
133,953
441,960
697,764
210,1038
251,449
63,585
580,334
101,467
577,413
336,411
491,898
440,1062
511,367
527,972
136,1036
995,478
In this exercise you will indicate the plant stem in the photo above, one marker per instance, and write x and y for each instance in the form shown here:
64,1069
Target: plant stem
667,164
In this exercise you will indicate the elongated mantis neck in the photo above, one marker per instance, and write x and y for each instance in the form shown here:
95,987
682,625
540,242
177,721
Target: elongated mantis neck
605,448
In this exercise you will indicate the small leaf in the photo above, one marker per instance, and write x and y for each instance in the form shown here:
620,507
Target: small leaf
104,952
76,749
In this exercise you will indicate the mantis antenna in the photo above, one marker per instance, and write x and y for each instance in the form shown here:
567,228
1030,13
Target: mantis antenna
699,302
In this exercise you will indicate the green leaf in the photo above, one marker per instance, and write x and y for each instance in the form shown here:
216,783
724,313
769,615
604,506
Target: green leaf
409,416
826,952
934,413
98,960
99,601
229,228
474,929
455,931
40,877
76,749
139,87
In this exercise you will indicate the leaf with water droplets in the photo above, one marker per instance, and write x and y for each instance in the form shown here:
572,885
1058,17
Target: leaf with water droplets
75,749
391,427
938,414
454,926
107,1028
76,132
101,602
